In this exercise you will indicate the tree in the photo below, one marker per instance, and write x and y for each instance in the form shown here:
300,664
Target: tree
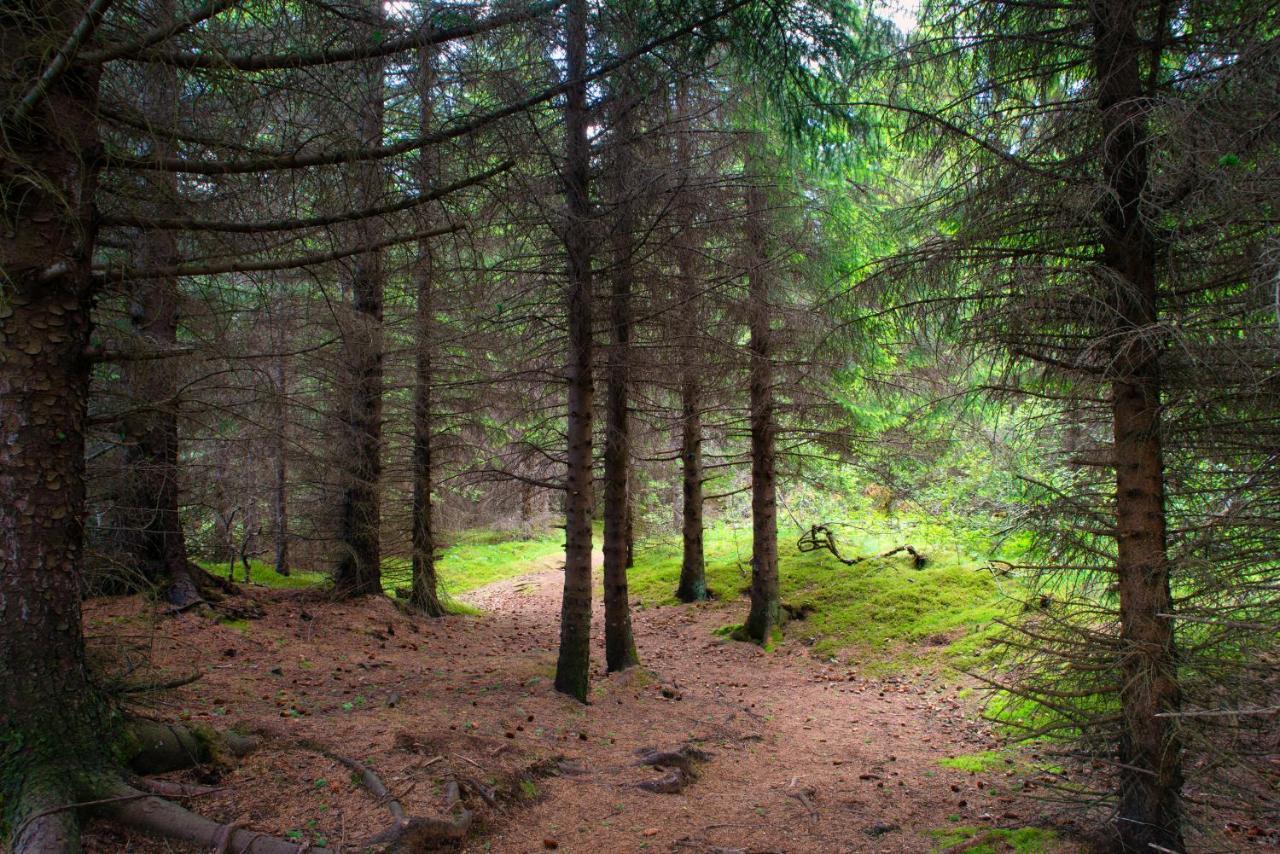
359,569
1070,204
573,664
52,718
424,593
620,645
693,575
763,617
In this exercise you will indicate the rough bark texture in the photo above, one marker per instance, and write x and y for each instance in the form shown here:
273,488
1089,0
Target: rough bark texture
763,617
424,594
1150,751
54,727
359,570
693,571
280,489
619,642
574,661
152,523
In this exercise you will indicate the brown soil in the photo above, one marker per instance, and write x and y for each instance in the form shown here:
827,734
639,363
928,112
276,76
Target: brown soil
807,755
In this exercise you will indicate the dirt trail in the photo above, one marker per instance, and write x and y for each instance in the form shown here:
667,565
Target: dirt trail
807,756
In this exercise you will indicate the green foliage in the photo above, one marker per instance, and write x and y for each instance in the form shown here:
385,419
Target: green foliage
1024,840
265,574
485,556
476,558
882,606
974,763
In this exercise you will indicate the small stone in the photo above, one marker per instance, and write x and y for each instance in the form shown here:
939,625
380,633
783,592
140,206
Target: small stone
651,831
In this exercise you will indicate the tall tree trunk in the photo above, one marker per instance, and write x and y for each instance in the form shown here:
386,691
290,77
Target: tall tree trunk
693,571
280,487
763,617
359,571
1150,813
154,524
619,641
54,726
424,592
574,662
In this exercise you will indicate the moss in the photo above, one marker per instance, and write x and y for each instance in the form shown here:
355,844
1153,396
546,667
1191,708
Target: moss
1023,840
266,575
975,763
882,607
476,558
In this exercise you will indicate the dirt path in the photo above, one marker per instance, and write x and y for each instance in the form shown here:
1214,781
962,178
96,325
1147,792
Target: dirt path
807,756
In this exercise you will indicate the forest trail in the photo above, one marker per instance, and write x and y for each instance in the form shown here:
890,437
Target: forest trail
806,755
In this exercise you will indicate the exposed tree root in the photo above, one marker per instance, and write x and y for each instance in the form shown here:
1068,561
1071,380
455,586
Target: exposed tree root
683,757
159,747
173,789
194,586
679,765
670,783
821,537
405,833
148,814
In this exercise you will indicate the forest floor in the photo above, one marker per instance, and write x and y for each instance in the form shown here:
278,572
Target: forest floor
805,754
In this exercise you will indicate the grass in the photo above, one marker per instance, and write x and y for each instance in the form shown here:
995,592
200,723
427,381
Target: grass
265,574
482,557
1023,840
475,558
880,605
976,763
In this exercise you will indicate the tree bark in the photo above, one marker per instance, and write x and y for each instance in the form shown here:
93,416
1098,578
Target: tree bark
1150,811
693,572
619,641
152,522
763,617
280,490
54,725
424,593
359,570
574,661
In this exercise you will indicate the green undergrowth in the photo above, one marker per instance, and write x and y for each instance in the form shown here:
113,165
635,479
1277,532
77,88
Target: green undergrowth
481,557
265,574
983,840
473,559
945,610
977,763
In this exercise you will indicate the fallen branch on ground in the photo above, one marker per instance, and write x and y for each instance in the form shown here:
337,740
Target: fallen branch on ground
821,537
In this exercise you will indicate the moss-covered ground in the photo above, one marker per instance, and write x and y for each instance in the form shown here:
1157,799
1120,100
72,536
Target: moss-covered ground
946,609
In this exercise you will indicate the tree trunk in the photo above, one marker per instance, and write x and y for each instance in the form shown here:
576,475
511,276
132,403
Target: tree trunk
54,726
763,617
693,572
574,662
359,571
1150,813
280,490
154,524
424,593
619,641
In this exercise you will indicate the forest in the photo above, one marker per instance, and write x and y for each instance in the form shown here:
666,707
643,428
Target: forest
713,426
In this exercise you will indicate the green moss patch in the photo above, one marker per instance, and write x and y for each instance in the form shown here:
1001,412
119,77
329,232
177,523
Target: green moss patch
975,763
983,840
944,611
